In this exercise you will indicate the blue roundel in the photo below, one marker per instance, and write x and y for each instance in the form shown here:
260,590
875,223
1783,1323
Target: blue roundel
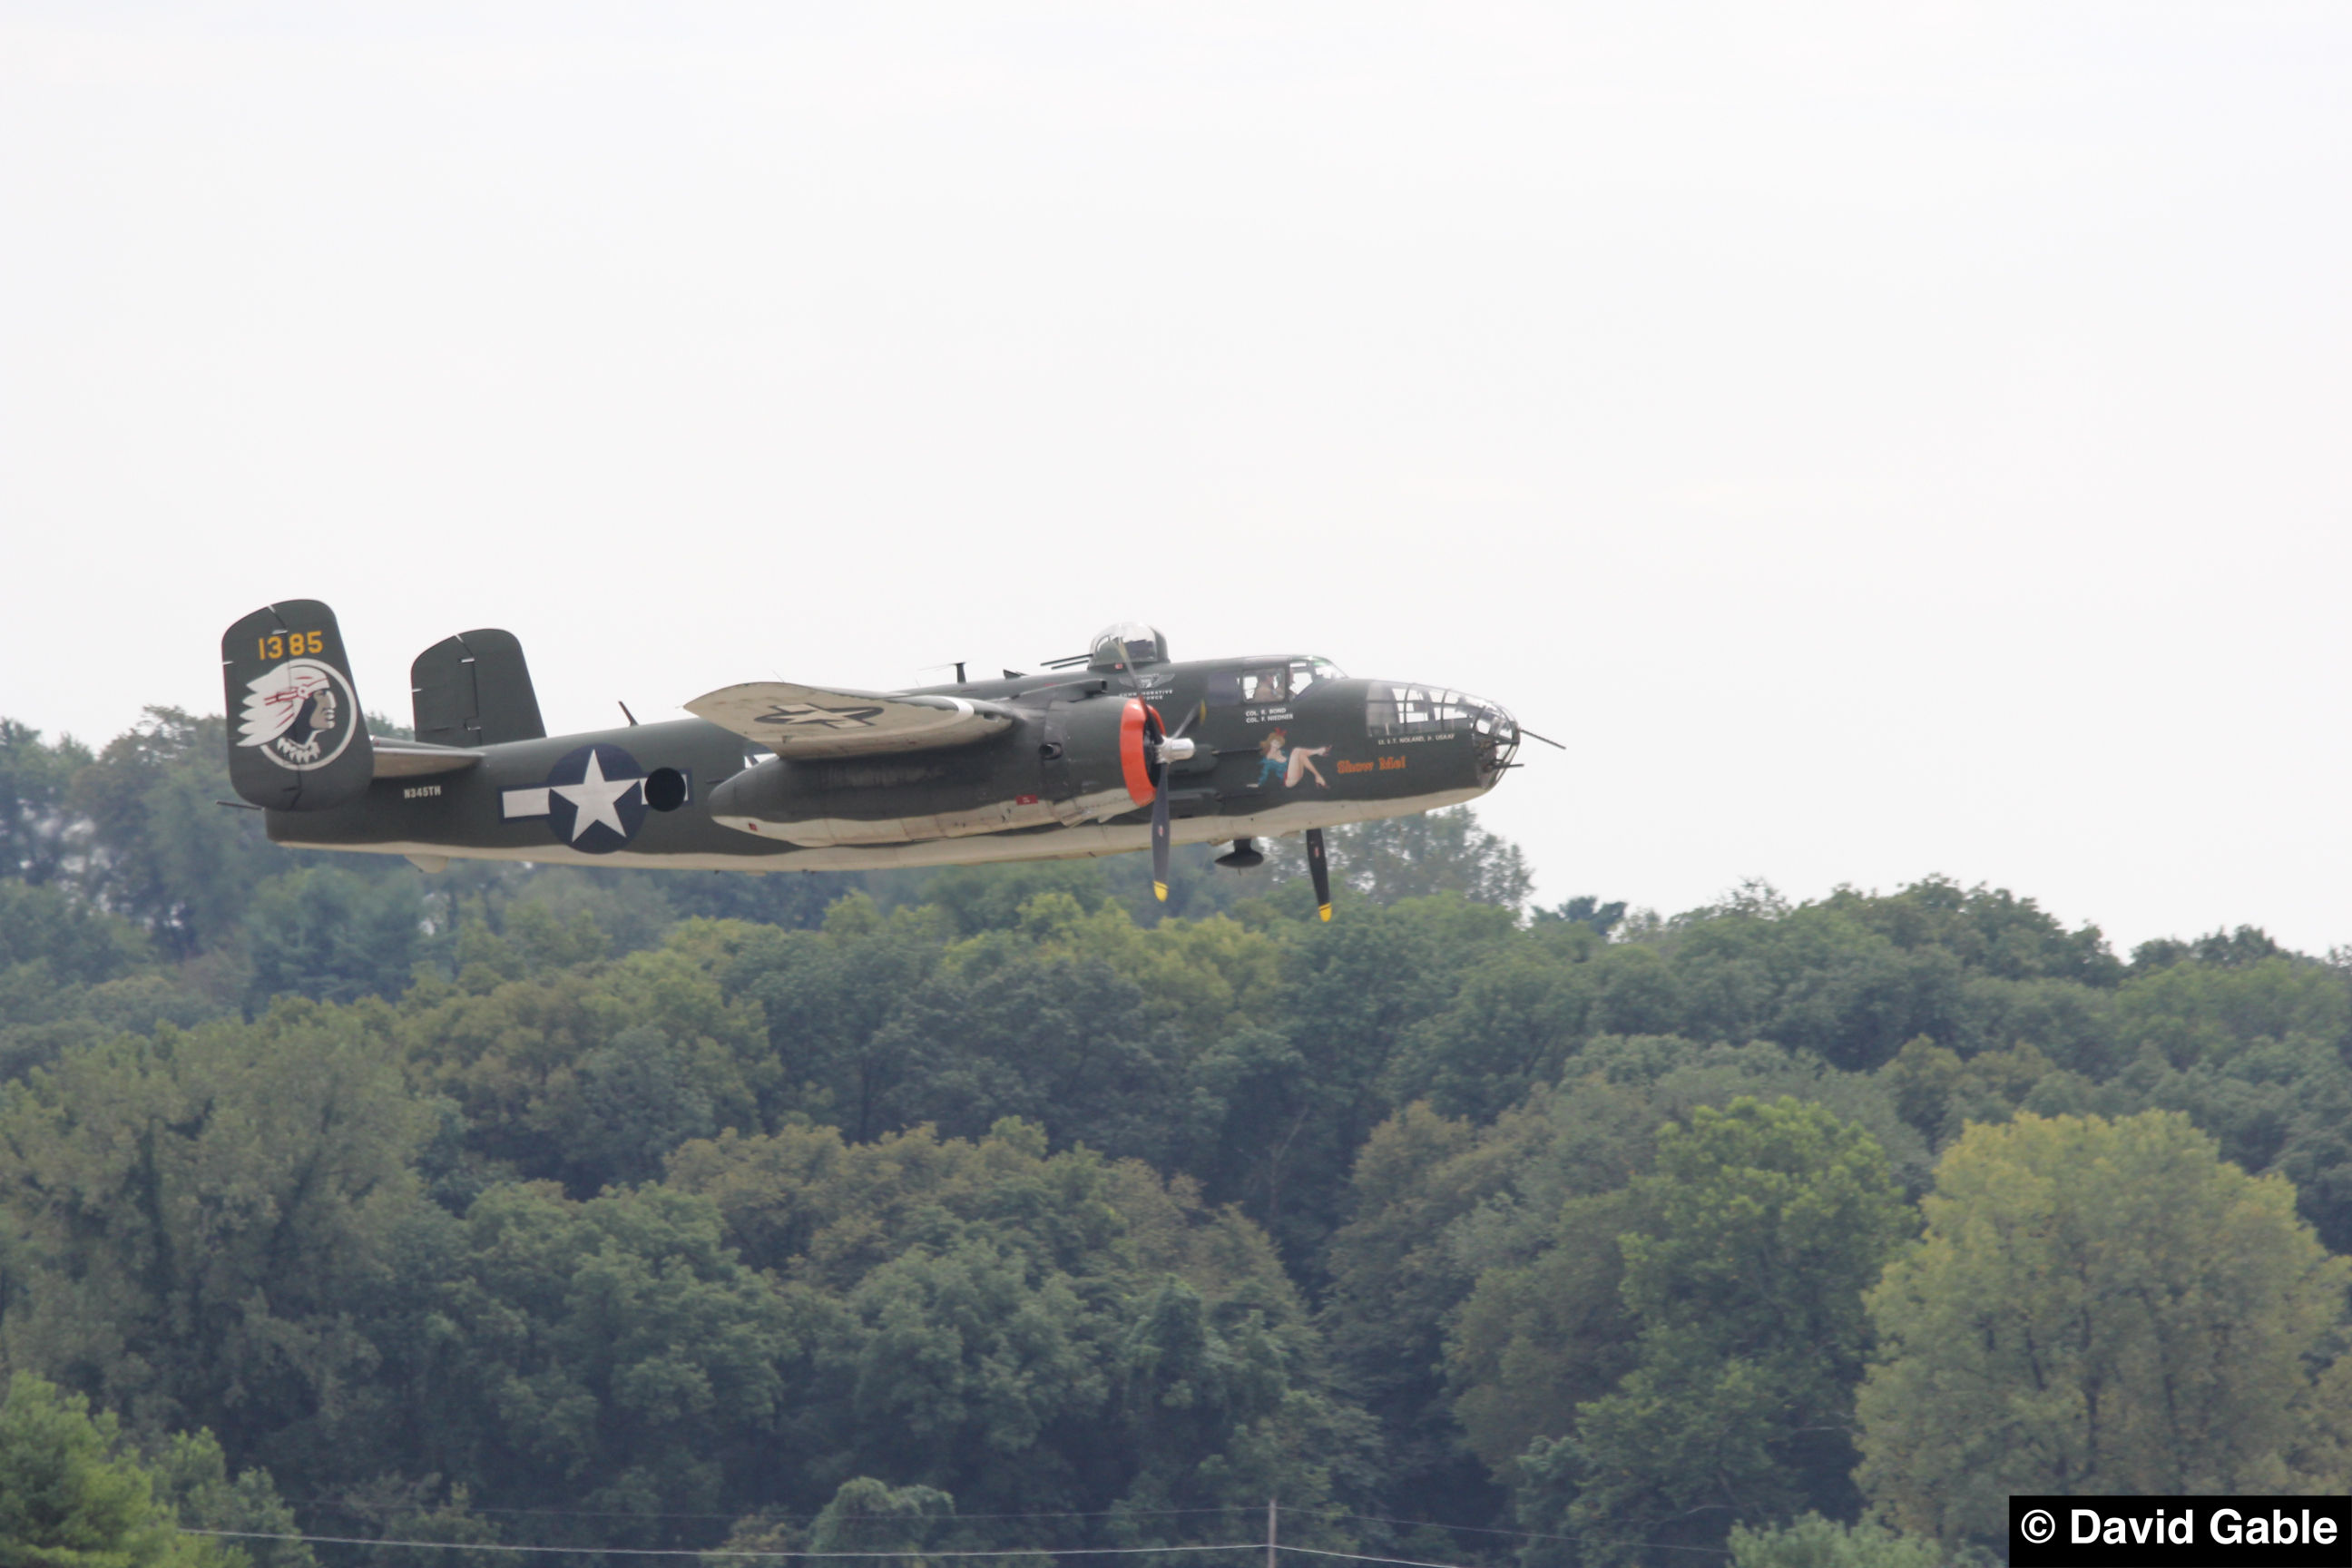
596,799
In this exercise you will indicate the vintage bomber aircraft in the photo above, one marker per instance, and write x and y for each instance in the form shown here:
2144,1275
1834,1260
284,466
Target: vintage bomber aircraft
1119,750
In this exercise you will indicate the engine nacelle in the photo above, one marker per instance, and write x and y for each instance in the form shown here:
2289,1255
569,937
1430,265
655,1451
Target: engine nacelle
1086,761
1101,757
820,803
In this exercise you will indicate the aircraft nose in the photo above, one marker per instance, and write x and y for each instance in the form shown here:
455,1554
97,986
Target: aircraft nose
1399,709
1495,738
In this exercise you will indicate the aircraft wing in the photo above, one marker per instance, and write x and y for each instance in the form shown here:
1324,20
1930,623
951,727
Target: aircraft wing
415,759
818,722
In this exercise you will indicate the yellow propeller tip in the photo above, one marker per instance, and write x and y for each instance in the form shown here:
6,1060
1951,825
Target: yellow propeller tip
1160,892
1325,910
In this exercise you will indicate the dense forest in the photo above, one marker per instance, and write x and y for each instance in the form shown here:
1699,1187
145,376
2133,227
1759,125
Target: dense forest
994,1208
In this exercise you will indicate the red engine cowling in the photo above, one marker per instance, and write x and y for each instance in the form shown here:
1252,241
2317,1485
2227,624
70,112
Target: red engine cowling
1140,734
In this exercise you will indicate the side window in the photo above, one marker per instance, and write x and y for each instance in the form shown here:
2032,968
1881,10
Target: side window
1224,688
1416,710
1266,685
1302,675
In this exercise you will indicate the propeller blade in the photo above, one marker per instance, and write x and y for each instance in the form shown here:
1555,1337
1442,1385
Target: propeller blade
1320,870
1167,752
1160,839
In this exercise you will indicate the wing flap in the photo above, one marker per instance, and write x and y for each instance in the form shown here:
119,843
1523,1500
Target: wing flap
795,720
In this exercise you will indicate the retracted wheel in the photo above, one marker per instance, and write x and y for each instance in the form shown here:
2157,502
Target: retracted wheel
1244,855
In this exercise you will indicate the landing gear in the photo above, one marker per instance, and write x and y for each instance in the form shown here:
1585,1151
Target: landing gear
1244,856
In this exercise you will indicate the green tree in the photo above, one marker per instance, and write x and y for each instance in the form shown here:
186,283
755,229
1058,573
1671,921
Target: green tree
1066,1044
1402,858
2199,1012
1294,1100
1990,931
958,1367
1812,1542
1476,1294
70,1496
616,1350
992,898
163,853
1536,1340
1771,1219
1029,1331
2097,1306
826,996
69,975
329,935
1223,1403
1517,1017
193,1223
864,1515
72,940
40,835
192,1479
1394,1283
591,1072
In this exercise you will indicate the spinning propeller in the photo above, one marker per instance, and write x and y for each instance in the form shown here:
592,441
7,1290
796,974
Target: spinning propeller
1164,752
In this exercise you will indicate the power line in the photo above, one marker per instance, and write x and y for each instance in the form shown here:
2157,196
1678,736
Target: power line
756,1517
1588,1539
1359,1557
923,1551
1513,1534
918,1552
340,1506
691,1552
1102,1513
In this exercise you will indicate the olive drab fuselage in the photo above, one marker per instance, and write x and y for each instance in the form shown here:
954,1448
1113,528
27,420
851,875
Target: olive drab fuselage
1280,745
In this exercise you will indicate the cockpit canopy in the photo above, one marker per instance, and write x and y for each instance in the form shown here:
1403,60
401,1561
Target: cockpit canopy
1126,646
1270,679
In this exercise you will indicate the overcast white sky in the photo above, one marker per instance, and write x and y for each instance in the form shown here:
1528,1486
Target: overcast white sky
1881,440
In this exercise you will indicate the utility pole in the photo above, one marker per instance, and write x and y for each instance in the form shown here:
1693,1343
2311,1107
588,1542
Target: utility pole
1269,1532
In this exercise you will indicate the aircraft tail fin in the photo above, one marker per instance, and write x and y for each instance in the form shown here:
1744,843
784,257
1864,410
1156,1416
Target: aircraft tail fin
297,738
474,690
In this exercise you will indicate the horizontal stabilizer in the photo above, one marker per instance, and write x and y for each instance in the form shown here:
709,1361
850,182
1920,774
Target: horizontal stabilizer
414,759
817,721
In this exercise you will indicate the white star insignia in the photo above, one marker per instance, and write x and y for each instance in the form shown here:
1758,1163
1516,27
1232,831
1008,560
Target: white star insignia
596,796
